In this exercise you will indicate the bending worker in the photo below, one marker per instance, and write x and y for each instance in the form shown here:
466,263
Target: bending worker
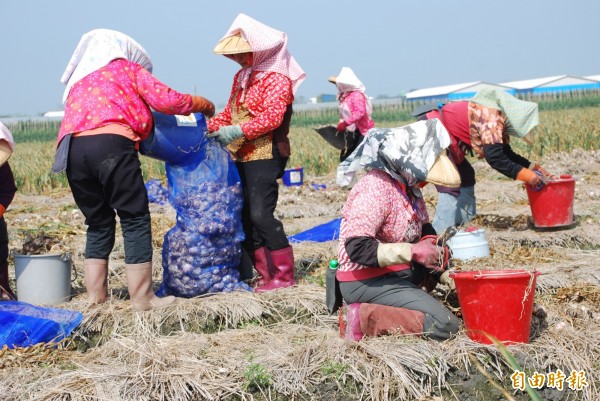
484,126
387,246
355,110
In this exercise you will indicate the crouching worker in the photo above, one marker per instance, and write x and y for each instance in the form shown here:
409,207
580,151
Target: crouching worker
384,250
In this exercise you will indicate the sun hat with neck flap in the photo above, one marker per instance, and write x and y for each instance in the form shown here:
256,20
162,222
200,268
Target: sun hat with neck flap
268,46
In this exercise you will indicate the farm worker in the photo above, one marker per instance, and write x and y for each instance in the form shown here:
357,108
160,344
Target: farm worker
8,189
355,109
109,92
254,126
387,247
483,125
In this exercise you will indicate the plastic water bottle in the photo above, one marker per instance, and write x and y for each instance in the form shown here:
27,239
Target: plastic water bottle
333,296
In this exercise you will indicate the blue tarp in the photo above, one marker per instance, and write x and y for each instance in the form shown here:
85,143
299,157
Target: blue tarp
23,324
322,233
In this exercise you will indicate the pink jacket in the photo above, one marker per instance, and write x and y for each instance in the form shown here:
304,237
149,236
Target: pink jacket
120,93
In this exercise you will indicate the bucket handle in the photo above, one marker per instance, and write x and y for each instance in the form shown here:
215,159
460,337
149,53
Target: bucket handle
67,256
504,274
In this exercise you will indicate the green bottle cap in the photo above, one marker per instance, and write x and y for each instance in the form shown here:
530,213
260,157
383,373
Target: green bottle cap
333,264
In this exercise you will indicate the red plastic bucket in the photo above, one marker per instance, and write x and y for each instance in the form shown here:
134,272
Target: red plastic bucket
552,204
496,302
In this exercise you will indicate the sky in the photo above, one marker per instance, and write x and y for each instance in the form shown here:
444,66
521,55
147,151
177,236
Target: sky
393,46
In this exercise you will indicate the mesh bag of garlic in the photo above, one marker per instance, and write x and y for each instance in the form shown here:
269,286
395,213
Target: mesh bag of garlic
202,252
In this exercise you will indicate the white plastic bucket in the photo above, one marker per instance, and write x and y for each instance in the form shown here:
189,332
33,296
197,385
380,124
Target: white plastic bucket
467,245
43,279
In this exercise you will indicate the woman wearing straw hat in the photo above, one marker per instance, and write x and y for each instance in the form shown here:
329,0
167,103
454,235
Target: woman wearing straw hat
387,247
7,193
482,125
254,126
355,110
109,92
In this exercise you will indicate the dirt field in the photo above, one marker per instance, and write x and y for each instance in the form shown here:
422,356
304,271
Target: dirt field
284,346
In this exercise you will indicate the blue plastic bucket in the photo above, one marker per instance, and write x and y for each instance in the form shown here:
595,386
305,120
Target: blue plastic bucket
293,176
174,138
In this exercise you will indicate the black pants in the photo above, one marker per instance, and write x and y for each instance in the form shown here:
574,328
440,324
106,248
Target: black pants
261,190
3,241
105,176
400,290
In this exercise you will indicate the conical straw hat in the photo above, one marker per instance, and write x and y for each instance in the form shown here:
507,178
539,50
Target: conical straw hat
443,172
232,45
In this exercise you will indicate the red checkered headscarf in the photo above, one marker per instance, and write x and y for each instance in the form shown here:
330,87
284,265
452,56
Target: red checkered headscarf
269,48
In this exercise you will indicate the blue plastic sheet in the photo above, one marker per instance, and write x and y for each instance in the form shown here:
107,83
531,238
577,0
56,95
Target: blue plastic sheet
321,233
23,324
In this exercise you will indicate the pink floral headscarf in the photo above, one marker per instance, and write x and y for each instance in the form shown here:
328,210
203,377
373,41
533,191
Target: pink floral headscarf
269,48
96,49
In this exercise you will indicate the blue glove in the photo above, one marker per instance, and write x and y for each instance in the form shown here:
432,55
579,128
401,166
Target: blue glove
227,134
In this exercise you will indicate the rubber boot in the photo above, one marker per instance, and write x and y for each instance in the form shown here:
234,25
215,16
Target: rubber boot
283,262
96,280
6,294
379,320
139,284
261,259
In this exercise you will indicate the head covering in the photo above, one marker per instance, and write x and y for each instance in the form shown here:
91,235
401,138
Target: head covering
269,48
406,153
347,81
426,108
233,45
521,116
7,144
96,49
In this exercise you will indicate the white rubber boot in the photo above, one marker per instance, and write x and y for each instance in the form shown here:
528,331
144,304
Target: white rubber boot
139,284
96,280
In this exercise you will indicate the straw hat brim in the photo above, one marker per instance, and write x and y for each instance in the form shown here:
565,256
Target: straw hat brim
333,80
444,172
5,151
232,45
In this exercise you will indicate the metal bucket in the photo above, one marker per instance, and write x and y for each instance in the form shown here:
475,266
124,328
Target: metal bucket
43,279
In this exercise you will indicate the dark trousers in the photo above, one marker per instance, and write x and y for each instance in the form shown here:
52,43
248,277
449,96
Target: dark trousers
400,290
3,241
261,190
105,176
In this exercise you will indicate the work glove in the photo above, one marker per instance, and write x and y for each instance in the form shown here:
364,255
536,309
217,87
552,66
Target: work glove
428,253
341,127
533,179
202,105
542,170
227,134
